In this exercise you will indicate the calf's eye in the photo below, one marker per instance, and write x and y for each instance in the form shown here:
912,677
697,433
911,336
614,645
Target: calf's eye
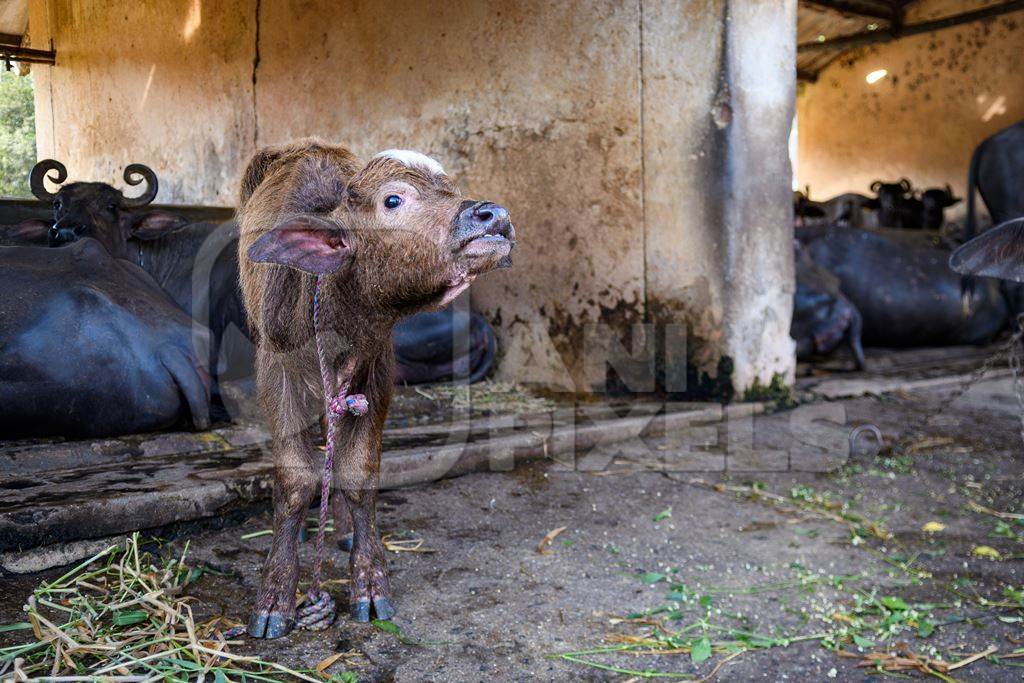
392,201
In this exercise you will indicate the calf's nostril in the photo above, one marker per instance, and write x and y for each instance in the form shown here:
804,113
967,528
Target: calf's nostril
483,215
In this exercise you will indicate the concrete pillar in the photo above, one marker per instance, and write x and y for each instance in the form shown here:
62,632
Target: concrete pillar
718,89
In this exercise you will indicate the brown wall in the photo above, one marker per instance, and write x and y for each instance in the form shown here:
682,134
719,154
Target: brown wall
945,92
168,84
593,120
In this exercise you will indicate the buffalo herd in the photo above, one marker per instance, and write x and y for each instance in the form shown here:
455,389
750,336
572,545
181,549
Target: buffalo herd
881,270
123,318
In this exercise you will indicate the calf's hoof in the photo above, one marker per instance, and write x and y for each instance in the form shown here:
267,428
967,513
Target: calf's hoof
269,625
382,608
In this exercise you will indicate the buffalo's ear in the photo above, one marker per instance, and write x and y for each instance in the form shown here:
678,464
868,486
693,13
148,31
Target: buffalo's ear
153,225
32,231
998,253
951,200
307,243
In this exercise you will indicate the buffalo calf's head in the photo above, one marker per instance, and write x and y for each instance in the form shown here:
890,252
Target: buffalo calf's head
99,210
403,234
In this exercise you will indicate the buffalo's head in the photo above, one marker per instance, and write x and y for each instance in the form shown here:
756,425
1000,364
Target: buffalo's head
890,198
934,201
99,210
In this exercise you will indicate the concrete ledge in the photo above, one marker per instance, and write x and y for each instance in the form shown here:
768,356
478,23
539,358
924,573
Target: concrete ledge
876,386
153,486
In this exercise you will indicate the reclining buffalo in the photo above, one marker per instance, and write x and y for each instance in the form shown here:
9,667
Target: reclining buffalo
195,263
823,318
93,347
906,293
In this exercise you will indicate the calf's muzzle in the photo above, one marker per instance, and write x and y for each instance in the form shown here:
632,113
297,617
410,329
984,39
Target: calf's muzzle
484,228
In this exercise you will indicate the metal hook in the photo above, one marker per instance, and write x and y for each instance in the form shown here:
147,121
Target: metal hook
860,429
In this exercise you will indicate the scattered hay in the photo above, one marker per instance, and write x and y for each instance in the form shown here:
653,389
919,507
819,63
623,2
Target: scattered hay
995,513
122,616
903,659
548,538
405,543
401,542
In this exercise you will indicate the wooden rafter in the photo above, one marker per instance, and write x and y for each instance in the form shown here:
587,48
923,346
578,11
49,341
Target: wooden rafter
885,35
874,9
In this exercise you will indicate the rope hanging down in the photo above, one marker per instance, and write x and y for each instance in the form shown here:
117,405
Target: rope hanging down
318,610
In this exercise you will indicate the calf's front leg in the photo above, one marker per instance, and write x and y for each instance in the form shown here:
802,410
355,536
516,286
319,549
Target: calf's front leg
296,480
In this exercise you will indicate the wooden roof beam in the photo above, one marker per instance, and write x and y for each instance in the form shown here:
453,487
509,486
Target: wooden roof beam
875,9
885,35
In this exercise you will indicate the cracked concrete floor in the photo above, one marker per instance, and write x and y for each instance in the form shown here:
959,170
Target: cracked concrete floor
487,606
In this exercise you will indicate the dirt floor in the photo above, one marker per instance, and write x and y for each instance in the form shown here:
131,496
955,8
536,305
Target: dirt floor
748,575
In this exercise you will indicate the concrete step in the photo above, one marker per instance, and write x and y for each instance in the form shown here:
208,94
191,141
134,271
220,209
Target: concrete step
54,495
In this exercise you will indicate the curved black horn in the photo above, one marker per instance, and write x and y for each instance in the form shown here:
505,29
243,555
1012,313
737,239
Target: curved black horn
39,172
145,173
905,184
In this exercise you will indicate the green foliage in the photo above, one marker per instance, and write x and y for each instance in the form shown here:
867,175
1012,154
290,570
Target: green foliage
17,134
777,391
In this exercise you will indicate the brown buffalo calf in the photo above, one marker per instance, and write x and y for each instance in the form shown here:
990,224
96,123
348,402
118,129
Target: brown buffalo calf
389,238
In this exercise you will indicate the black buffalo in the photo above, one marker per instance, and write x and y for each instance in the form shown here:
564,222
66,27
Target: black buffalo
823,318
897,206
443,345
906,293
92,346
848,210
997,173
196,263
98,210
934,202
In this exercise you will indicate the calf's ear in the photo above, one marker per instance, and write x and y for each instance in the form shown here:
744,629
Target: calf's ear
153,225
308,243
998,252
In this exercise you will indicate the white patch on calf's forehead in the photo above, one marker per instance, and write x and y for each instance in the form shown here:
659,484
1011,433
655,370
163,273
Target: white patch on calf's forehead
413,159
